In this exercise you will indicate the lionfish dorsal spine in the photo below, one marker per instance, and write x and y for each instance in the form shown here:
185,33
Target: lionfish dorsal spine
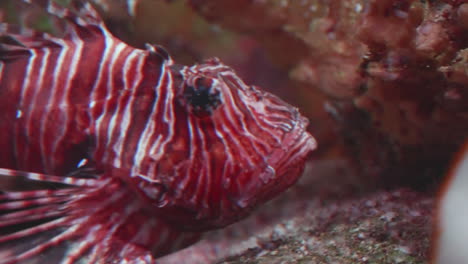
78,11
84,21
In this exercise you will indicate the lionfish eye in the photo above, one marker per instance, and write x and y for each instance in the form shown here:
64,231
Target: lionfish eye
202,97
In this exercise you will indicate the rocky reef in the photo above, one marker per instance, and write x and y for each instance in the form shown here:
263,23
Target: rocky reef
393,71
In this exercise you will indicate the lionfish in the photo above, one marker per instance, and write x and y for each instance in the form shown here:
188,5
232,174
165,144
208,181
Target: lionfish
128,155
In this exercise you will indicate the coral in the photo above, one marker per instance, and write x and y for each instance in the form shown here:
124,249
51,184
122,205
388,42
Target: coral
396,65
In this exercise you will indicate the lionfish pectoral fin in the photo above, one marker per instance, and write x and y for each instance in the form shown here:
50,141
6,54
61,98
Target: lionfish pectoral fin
81,219
35,223
75,180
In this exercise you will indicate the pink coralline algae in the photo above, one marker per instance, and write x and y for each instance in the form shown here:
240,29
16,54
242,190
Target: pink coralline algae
127,155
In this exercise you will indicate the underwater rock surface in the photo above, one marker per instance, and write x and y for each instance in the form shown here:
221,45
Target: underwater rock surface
385,227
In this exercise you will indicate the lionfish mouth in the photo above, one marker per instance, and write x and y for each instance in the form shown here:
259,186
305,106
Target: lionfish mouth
286,163
292,153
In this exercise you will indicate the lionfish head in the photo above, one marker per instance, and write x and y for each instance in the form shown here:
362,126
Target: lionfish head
234,147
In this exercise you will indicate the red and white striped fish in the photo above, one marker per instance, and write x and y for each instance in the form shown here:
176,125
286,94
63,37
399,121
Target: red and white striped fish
130,155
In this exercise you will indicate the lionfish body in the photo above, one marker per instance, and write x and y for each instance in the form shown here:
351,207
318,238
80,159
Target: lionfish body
131,155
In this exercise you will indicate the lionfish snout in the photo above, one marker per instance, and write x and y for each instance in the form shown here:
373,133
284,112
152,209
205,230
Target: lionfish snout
286,157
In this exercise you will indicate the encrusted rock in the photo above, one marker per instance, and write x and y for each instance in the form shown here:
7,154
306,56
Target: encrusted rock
397,66
384,227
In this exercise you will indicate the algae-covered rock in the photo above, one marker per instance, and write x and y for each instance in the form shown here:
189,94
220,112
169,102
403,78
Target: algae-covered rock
393,71
383,227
